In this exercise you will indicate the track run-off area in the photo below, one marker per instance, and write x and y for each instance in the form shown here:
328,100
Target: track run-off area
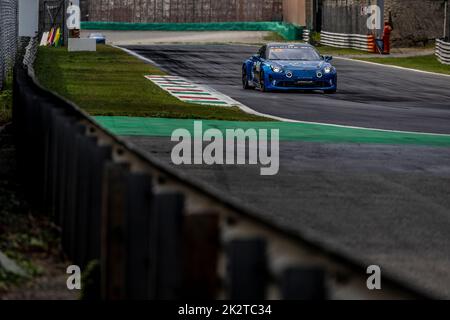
381,195
369,96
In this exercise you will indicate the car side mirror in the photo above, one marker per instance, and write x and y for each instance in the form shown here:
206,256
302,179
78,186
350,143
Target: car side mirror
327,58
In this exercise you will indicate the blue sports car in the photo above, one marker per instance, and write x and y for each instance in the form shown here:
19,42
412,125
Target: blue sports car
281,66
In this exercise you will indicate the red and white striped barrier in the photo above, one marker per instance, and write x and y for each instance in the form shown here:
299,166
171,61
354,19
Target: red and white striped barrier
443,51
353,41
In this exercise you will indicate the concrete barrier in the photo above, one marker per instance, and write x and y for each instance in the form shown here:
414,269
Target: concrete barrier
81,44
288,31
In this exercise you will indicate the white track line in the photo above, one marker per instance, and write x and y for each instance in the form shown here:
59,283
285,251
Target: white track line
395,67
254,112
137,55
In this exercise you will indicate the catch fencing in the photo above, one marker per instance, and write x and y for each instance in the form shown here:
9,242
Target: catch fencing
182,10
443,51
8,37
345,17
52,14
145,231
344,25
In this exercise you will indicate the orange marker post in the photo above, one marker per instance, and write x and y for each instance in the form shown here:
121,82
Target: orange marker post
387,38
371,44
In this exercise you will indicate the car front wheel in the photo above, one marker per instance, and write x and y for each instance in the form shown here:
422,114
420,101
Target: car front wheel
332,90
262,83
245,84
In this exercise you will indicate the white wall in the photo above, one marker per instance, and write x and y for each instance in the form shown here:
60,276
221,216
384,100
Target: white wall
28,18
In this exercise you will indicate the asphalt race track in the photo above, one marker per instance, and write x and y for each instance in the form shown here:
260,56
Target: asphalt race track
368,96
386,204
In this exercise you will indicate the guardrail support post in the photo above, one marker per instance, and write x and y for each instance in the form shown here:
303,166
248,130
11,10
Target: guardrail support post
201,241
166,248
139,200
70,199
100,156
247,269
303,284
113,260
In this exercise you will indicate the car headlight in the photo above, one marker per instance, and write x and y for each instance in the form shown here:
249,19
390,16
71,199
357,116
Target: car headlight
276,69
327,69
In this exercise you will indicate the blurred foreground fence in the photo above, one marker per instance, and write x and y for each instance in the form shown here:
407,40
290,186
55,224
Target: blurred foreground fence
154,234
443,51
8,37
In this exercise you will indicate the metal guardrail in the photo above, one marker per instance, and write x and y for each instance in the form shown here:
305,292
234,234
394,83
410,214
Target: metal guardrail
443,51
154,233
354,41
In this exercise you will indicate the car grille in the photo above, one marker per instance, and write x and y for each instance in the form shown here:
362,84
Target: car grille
304,73
295,84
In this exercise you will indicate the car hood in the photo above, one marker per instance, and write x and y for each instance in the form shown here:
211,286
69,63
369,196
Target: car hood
298,65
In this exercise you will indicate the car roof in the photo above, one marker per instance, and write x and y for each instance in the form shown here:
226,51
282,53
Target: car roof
288,44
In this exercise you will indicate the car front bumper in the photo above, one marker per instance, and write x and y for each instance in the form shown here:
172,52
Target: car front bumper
275,81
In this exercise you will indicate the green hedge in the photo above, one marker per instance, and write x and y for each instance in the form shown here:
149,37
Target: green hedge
286,30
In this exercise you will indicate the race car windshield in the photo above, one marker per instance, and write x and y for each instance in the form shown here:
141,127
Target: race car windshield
304,54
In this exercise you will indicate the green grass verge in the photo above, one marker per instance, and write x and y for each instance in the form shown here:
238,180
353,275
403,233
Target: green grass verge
6,102
425,63
110,82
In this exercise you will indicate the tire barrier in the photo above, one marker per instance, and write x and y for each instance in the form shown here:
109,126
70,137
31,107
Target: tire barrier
152,232
353,41
306,35
443,51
